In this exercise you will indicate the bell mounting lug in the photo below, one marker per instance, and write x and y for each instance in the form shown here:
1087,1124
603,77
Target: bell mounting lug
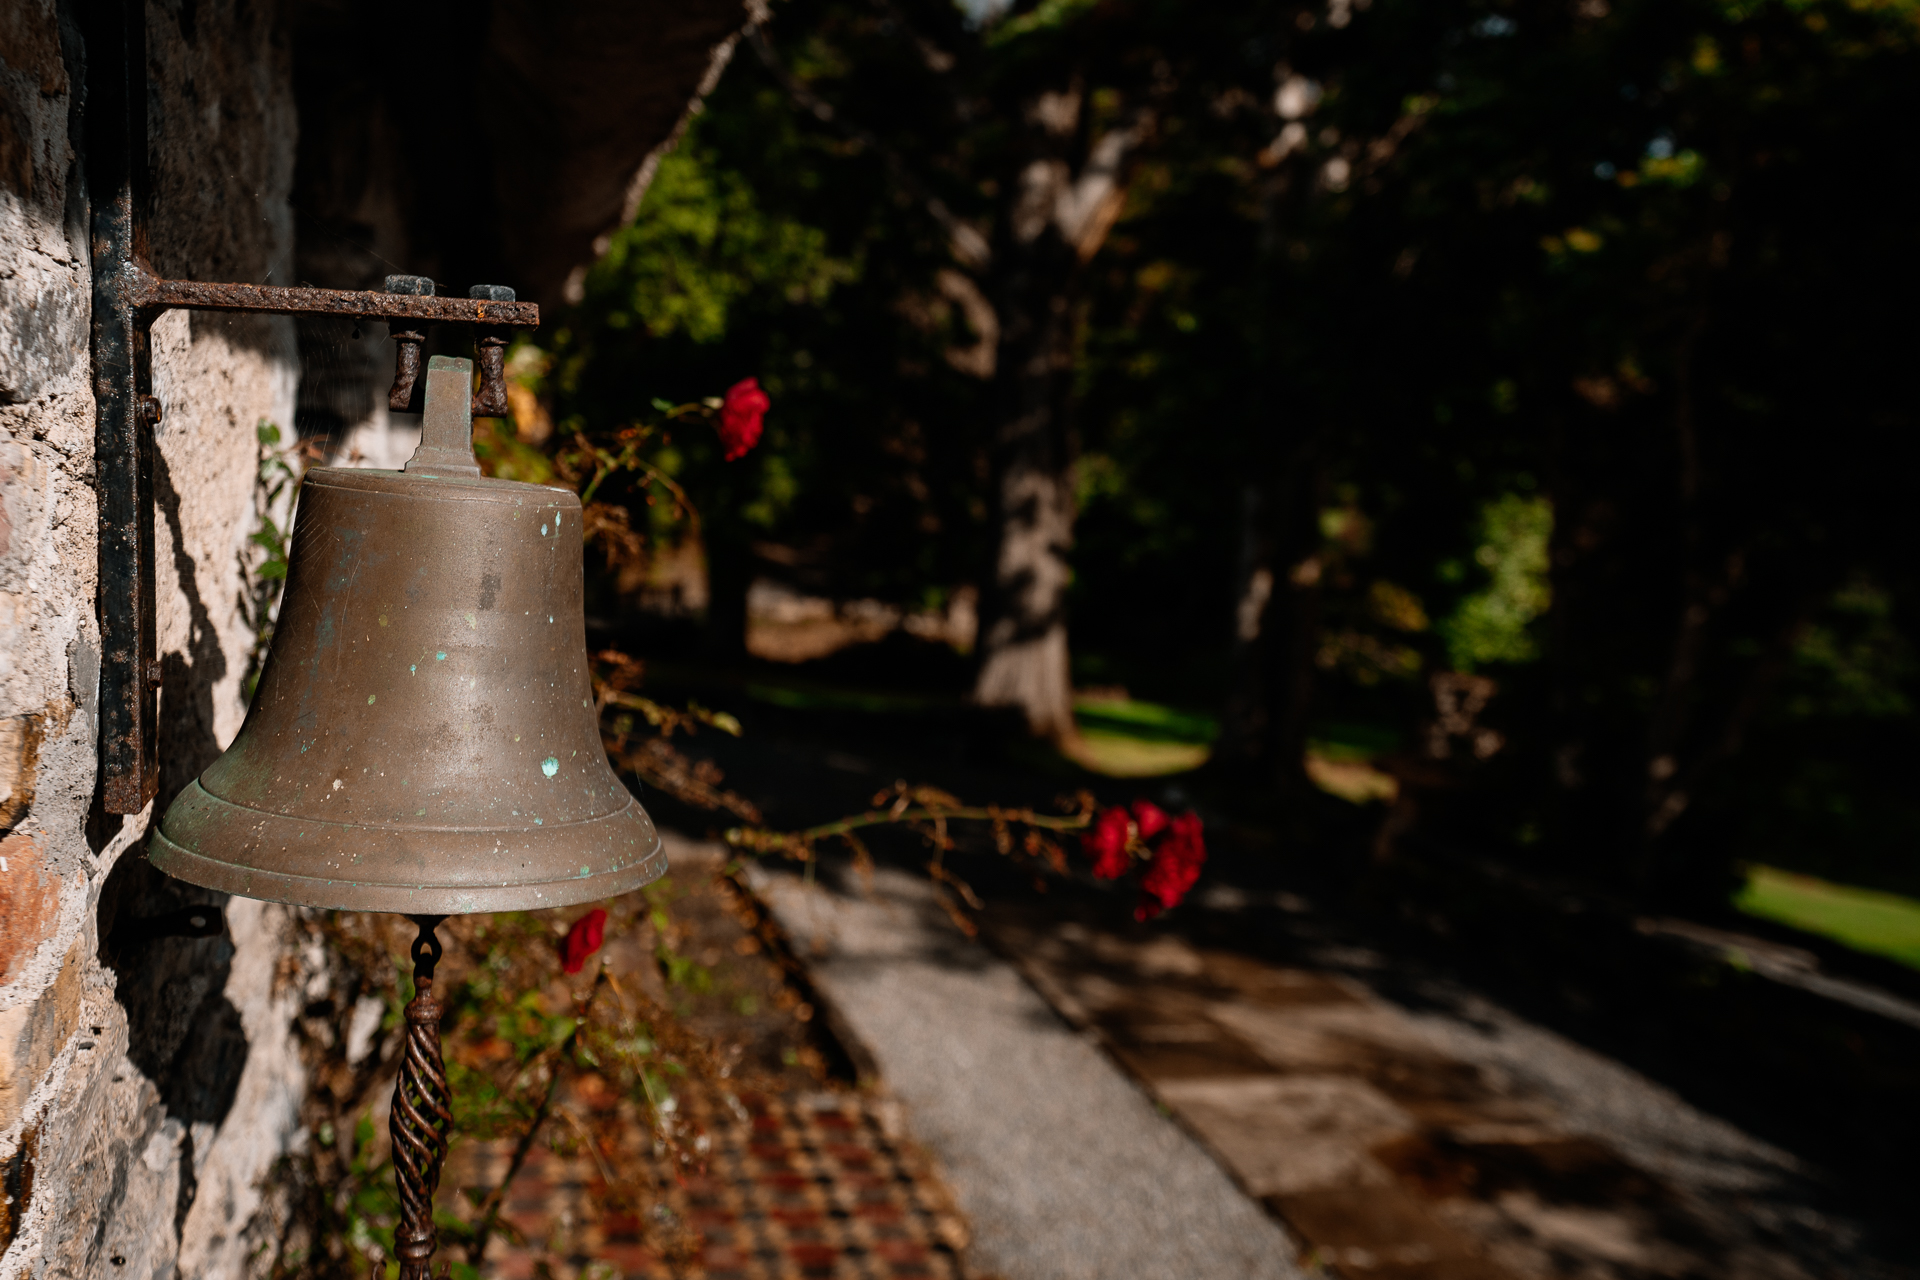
446,425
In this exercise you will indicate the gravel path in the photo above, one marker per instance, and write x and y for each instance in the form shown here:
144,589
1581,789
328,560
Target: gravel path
1064,1167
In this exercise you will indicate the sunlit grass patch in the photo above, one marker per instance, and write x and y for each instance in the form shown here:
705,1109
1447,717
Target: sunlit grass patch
1119,755
1884,924
1340,760
1124,738
1351,778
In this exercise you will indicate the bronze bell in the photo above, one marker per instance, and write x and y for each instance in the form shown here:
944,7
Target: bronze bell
424,738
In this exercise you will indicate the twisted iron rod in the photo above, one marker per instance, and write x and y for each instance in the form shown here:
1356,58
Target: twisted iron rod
422,1114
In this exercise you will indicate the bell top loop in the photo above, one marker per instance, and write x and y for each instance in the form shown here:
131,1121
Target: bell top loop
426,949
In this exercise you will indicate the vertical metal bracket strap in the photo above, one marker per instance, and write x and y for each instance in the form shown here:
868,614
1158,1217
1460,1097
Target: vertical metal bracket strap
116,148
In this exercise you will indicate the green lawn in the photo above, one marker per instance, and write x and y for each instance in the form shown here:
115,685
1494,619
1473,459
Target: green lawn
1145,720
1884,924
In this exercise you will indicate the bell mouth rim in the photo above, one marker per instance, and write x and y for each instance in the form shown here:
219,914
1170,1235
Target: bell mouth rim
344,893
180,851
400,897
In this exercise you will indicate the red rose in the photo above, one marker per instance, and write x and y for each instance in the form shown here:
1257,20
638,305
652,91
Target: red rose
1152,819
1175,867
588,932
1106,844
1184,841
740,417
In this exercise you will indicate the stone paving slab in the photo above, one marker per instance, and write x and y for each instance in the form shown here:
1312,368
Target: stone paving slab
1430,1135
1065,1169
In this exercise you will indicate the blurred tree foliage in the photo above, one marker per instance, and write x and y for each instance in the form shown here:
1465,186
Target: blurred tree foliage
1645,261
764,249
1560,342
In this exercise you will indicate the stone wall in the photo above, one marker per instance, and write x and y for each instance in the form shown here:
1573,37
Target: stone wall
146,1082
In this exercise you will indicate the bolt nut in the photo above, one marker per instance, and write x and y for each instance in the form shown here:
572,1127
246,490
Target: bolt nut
491,293
150,410
153,674
413,286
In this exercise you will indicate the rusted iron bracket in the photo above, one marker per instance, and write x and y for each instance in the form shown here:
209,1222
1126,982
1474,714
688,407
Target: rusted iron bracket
155,295
116,125
127,297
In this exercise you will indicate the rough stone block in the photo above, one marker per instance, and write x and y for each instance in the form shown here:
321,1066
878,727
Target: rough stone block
30,44
20,739
33,1034
24,485
16,1186
16,646
29,897
43,320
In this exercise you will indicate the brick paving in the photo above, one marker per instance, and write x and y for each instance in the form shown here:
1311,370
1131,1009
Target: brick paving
806,1185
791,1160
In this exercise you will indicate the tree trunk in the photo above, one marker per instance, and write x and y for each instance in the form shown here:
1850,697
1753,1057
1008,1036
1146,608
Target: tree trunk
1024,656
1247,717
1296,643
1277,624
1023,637
1663,799
1054,223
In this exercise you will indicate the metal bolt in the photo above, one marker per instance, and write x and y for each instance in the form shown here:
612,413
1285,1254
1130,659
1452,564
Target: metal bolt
150,410
406,393
490,401
153,674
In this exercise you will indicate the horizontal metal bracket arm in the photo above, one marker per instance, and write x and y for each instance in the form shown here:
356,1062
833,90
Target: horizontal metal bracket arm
155,295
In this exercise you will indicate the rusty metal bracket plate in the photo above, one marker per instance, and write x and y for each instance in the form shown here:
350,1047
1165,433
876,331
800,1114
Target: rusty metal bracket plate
155,295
